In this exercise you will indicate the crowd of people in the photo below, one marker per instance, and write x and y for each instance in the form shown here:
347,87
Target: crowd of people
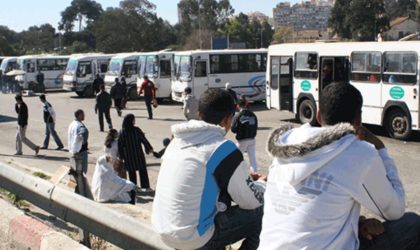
208,197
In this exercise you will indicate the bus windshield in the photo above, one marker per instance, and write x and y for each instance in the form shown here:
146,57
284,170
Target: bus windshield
182,65
71,67
115,66
151,67
21,64
7,65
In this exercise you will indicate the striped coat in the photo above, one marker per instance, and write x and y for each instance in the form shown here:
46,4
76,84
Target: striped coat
130,149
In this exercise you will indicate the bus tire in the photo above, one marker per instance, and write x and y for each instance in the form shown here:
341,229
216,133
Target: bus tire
132,93
307,112
79,93
88,91
397,124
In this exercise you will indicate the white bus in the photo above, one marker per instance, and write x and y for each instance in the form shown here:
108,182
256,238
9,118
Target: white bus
124,65
158,67
52,66
8,64
200,70
386,73
81,72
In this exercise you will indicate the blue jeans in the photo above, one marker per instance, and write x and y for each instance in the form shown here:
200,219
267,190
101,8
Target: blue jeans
50,129
234,225
400,234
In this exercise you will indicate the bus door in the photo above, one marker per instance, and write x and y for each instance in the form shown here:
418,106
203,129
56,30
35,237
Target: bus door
201,80
165,70
333,69
281,83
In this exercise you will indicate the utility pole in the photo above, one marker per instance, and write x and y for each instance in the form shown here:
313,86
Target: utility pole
199,24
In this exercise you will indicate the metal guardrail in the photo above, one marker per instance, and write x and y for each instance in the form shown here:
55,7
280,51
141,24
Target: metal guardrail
119,229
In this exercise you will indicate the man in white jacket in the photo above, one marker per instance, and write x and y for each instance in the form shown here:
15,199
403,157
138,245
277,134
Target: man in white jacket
201,174
320,177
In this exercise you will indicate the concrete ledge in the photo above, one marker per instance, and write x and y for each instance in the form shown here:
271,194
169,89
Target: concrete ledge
25,232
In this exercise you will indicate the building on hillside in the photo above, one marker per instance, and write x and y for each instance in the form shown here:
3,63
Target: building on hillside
308,15
259,16
401,27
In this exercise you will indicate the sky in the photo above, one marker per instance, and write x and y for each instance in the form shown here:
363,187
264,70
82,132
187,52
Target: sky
21,14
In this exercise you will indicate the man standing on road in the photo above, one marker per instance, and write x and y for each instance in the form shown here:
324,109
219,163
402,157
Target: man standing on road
118,94
78,136
22,119
190,105
245,126
49,119
320,177
149,94
40,81
102,107
195,210
97,84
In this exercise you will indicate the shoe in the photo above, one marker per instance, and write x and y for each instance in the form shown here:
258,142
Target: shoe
101,130
18,153
43,147
150,118
37,151
59,148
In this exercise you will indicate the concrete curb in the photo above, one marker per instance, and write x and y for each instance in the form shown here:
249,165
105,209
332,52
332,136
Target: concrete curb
24,232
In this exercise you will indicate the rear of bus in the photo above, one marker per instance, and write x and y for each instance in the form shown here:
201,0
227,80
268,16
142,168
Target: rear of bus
182,76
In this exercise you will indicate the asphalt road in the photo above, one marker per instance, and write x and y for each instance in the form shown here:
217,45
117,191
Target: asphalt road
406,154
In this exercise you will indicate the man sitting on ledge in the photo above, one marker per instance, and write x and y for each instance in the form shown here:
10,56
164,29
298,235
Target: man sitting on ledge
201,174
320,177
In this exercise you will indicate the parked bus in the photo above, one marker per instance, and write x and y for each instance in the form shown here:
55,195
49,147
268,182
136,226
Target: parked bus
8,82
158,67
81,72
200,70
124,65
52,66
386,73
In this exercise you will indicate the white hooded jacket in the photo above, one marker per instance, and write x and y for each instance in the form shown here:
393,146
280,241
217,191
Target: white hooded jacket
201,174
318,180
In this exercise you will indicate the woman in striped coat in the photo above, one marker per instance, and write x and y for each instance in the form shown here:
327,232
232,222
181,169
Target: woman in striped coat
131,152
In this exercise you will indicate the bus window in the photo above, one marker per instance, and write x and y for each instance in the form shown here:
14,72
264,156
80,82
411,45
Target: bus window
165,68
200,69
129,68
400,67
61,64
275,72
366,66
46,64
306,65
84,69
103,66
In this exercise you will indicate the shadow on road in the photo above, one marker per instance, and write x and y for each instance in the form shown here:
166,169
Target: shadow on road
5,118
55,221
40,157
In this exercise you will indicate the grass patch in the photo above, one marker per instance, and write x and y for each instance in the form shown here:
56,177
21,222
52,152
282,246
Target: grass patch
41,175
14,198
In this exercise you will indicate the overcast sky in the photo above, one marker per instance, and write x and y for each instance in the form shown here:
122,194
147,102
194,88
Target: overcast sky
20,14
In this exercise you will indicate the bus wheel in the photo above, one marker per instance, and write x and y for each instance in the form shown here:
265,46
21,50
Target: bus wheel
79,93
132,93
398,124
88,92
307,113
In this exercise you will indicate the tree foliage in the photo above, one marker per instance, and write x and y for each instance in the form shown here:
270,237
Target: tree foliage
400,8
360,20
81,11
283,35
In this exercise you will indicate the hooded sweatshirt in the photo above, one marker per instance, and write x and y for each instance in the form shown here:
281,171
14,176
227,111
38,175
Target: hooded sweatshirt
201,174
318,180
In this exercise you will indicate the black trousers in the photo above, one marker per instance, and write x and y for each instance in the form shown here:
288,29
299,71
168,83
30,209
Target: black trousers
144,177
148,101
117,103
101,114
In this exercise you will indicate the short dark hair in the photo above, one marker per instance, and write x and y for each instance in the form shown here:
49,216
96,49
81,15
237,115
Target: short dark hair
339,103
188,90
78,112
242,101
42,97
215,104
18,98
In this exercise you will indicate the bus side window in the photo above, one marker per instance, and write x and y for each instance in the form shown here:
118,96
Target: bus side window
366,66
306,66
200,69
165,68
399,67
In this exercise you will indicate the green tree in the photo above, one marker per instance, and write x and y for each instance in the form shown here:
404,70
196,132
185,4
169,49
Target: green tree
82,11
38,39
339,19
283,35
400,8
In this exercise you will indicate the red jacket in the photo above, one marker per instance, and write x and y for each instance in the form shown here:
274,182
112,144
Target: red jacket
148,87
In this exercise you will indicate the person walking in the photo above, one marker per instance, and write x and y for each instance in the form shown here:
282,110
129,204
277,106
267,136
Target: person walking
321,176
149,94
232,92
78,136
190,105
22,119
205,197
103,107
124,100
97,83
49,119
117,93
131,152
40,80
245,126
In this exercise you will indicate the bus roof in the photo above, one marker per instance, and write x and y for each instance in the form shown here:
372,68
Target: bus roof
88,56
342,48
225,51
130,55
44,56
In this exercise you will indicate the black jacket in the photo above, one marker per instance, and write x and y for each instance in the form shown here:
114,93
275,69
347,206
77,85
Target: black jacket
103,101
245,125
22,112
118,91
97,84
48,118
